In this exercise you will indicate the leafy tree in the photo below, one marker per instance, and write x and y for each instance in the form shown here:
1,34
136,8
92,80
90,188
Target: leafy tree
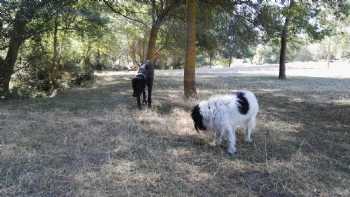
288,19
22,20
159,10
237,30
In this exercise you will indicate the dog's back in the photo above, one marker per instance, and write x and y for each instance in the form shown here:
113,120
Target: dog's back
147,70
223,114
236,108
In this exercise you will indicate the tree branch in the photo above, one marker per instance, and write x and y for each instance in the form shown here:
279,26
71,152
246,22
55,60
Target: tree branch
113,9
166,11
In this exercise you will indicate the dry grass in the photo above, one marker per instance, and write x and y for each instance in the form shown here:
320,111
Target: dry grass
93,142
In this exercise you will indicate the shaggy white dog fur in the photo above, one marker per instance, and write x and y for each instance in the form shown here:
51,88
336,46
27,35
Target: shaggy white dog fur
223,114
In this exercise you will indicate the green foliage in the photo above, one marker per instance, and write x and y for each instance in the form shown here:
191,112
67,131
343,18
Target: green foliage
66,42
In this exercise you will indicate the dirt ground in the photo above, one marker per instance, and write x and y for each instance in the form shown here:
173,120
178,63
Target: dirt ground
94,142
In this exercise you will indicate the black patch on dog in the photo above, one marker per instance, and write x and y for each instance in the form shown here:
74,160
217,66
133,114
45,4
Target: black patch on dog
197,119
243,106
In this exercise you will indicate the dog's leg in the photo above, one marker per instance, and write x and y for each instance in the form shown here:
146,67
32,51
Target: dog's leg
219,135
250,126
139,101
133,82
231,135
149,88
144,101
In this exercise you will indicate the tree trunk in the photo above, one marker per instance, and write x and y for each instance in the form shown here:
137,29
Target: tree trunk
230,61
283,51
54,65
152,42
210,60
328,52
284,37
190,65
7,65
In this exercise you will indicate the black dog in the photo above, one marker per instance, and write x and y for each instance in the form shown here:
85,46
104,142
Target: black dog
143,79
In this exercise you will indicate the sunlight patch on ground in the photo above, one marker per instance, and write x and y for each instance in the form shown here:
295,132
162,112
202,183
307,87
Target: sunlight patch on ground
114,73
338,69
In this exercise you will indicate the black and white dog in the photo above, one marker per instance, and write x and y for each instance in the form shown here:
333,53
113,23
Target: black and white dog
144,78
223,114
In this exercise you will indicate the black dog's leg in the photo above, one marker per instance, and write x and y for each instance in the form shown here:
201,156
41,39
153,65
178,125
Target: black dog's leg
139,101
144,101
134,87
149,88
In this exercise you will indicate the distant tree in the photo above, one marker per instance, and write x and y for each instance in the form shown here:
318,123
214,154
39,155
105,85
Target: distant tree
228,28
190,65
237,31
287,19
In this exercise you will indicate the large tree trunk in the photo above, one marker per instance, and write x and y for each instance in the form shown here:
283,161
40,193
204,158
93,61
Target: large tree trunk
190,65
7,65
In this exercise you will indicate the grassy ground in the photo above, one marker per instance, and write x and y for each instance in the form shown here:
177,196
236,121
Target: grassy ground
93,142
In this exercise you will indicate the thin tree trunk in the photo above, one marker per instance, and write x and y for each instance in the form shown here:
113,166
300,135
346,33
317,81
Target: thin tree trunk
284,37
230,61
283,51
54,66
132,52
190,65
328,52
210,60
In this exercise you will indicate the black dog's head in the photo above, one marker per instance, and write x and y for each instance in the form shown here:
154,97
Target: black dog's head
197,118
138,85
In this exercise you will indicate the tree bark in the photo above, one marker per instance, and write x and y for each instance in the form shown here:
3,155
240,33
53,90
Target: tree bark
152,41
190,65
